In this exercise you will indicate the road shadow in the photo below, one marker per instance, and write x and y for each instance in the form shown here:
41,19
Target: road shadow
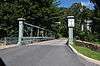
69,48
1,62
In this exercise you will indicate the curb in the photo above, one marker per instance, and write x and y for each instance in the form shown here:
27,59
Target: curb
85,57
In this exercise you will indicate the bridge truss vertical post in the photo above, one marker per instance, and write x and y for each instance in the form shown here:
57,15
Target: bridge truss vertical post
38,32
45,33
31,34
20,35
42,33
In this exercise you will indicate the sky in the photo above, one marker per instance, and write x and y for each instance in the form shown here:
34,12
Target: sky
68,3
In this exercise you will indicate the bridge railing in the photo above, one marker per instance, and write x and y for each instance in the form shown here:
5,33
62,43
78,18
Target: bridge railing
9,40
30,40
25,40
27,33
42,33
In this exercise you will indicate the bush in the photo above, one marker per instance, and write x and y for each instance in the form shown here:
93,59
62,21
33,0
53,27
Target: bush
83,36
87,36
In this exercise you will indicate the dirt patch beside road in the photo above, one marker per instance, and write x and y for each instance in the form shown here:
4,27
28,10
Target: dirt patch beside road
6,46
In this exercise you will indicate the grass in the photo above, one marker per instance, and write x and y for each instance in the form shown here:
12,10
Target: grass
97,41
87,52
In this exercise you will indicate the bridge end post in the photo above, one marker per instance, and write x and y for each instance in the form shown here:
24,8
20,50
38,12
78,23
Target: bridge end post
20,35
71,25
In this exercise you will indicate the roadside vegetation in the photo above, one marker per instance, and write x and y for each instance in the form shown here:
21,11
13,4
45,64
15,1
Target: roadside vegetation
87,52
47,14
38,13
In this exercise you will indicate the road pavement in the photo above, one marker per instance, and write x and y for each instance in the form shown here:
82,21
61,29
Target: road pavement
48,53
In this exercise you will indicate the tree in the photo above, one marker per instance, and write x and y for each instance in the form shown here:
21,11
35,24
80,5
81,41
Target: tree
37,12
81,13
96,16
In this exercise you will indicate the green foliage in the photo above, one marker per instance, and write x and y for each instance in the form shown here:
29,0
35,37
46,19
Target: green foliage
38,12
83,36
86,36
88,52
43,13
96,16
81,13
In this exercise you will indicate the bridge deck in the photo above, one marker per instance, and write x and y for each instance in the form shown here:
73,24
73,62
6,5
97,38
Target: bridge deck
48,53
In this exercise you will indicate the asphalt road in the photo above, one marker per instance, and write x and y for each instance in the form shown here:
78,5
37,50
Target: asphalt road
49,53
